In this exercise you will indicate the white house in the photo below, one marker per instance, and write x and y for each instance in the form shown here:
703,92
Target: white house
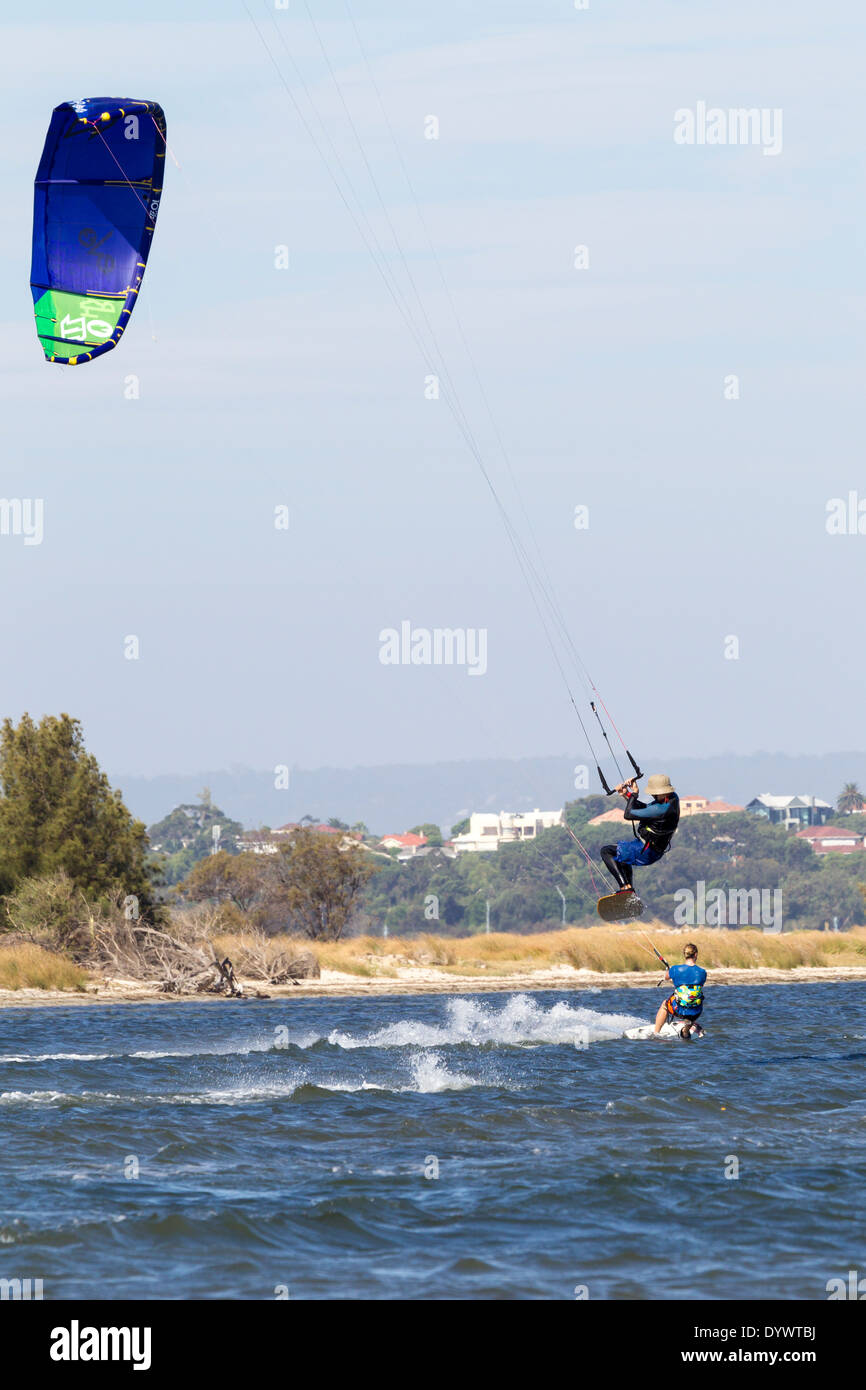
794,812
832,839
408,843
487,832
256,842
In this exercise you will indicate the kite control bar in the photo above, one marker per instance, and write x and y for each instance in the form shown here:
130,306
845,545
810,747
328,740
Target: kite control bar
610,791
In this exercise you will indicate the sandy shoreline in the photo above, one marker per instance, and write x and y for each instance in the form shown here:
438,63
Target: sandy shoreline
423,980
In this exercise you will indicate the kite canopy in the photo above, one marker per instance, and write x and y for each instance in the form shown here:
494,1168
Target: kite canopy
98,188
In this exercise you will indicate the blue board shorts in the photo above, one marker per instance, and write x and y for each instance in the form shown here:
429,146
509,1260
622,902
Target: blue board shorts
634,851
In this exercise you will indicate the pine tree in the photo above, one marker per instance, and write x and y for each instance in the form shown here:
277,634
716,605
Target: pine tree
58,811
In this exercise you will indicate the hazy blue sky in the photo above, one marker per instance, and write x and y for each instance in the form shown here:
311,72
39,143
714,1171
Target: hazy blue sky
303,387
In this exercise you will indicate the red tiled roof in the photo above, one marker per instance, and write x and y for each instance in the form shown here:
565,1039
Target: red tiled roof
828,832
831,839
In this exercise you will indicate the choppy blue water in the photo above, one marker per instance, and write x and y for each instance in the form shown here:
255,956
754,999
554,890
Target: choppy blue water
293,1143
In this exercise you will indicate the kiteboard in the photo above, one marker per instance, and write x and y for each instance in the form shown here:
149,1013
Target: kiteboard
669,1029
620,907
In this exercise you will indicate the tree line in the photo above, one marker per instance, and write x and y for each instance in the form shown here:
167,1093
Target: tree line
63,827
74,863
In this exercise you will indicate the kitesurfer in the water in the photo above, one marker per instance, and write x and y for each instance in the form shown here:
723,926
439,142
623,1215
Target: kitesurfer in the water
653,825
687,1000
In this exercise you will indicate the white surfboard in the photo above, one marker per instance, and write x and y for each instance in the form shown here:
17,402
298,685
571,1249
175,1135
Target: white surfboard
647,1030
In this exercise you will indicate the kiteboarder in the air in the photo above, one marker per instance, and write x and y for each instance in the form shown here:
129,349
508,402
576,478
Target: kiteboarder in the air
653,828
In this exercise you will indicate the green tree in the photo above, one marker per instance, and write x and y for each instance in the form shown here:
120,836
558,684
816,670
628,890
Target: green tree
578,813
850,799
432,832
311,886
810,900
319,882
241,879
185,836
58,812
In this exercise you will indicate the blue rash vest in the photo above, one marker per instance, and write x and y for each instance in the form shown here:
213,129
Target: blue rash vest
688,996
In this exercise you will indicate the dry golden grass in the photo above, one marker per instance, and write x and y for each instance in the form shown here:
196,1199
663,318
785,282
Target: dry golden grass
607,949
610,950
29,967
362,960
232,943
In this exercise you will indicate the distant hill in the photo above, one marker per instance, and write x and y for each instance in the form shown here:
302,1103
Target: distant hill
391,798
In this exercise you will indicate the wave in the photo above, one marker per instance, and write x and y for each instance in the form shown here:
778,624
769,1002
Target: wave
57,1056
428,1074
521,1021
220,1050
431,1075
32,1097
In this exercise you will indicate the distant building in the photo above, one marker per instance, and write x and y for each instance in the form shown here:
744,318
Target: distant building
702,806
269,841
291,826
256,842
793,812
427,851
832,839
408,843
689,806
487,832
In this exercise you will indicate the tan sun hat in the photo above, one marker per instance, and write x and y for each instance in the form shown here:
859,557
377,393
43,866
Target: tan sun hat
659,784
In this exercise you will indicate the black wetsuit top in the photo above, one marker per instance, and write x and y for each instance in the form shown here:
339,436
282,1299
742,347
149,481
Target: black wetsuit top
657,822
